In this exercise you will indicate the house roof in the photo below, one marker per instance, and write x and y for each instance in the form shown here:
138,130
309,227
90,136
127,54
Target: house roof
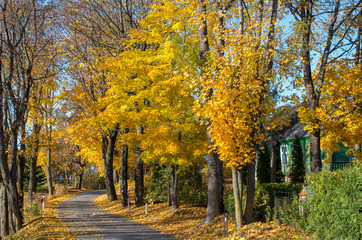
295,128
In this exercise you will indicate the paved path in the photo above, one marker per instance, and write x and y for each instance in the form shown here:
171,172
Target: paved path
89,222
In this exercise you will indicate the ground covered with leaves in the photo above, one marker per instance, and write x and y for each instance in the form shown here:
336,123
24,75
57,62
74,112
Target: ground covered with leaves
50,226
186,222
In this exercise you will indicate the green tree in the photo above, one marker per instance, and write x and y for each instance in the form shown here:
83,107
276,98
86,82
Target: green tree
298,170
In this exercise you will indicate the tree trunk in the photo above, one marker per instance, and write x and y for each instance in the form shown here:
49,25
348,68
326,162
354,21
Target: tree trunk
49,172
123,176
4,217
79,184
214,188
250,192
21,167
241,185
215,182
315,152
174,187
115,176
273,161
169,194
108,163
139,178
13,196
238,197
7,179
33,163
315,158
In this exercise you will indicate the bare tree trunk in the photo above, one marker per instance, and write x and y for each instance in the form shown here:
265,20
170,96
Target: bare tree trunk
108,163
139,178
20,172
315,151
313,88
33,163
238,197
273,160
79,184
169,201
315,158
174,187
4,217
139,168
123,176
115,176
13,196
250,192
49,172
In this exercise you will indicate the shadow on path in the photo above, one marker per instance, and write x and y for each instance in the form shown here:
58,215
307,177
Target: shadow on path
87,221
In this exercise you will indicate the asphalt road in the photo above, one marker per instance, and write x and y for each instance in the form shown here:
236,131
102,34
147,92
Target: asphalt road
87,221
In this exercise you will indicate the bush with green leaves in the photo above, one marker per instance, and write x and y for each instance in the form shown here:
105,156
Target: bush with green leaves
157,184
264,197
92,180
333,208
335,204
191,188
229,204
292,214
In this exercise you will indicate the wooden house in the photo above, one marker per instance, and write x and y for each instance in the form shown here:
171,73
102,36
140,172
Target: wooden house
286,137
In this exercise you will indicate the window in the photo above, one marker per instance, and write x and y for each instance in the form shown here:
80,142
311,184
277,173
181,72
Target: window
284,154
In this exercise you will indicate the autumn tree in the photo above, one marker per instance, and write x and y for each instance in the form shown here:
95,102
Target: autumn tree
321,28
215,181
24,44
102,26
156,76
36,120
240,105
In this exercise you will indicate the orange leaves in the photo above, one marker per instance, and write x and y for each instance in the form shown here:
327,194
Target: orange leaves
238,105
187,223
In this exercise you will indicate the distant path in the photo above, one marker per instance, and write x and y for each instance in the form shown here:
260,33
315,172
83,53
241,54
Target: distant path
87,221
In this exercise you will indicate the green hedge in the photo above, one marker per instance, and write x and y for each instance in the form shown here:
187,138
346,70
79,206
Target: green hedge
333,211
335,204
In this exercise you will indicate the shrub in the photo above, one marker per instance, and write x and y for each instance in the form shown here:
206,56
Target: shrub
157,184
229,204
191,188
335,204
291,214
264,197
92,180
333,209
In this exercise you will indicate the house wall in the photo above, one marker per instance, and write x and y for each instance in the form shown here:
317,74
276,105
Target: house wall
304,142
337,157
